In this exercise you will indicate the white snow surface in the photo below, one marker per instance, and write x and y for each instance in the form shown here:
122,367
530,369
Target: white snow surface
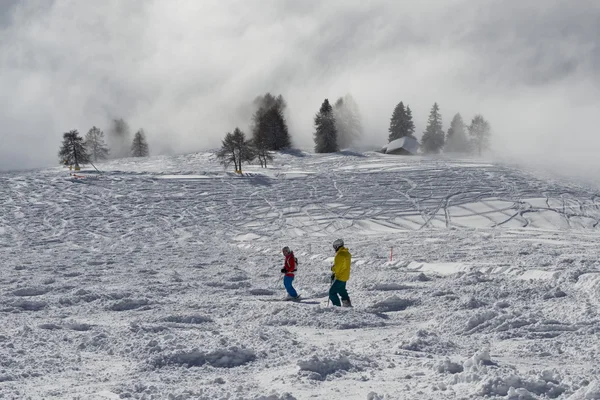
159,279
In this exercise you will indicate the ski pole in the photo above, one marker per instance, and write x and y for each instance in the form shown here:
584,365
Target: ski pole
95,167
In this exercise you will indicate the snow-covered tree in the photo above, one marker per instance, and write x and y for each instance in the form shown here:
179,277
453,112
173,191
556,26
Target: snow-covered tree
433,137
480,133
73,151
95,144
325,135
139,146
236,149
347,121
119,138
456,138
268,122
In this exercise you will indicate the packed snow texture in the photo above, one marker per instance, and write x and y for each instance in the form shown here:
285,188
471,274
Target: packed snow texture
159,279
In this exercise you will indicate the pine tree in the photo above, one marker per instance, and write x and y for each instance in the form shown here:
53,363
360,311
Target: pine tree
73,151
268,122
347,121
95,145
119,138
275,126
326,135
433,137
480,133
139,145
401,123
396,122
456,138
236,149
409,125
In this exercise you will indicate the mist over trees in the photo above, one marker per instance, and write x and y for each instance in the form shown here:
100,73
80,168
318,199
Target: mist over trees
72,150
335,126
119,138
139,145
456,138
432,141
269,127
480,133
96,145
347,121
325,135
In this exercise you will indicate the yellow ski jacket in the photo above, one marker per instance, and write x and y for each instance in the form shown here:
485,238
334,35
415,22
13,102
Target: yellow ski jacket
341,264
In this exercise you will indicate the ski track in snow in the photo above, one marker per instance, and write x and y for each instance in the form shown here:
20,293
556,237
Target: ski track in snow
149,281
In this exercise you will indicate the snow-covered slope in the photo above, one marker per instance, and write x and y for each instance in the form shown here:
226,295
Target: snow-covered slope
159,279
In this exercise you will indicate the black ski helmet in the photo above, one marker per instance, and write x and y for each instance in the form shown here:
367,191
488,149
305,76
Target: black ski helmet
338,243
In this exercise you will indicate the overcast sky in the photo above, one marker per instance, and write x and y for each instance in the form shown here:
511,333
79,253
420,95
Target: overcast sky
186,70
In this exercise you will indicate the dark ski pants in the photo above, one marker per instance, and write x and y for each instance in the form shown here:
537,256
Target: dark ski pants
338,287
287,282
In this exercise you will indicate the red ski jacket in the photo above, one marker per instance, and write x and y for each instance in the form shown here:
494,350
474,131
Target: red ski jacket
290,264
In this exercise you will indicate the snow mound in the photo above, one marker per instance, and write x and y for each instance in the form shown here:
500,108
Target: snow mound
425,341
50,327
480,320
478,359
30,292
229,358
392,304
494,380
320,368
590,283
128,304
517,388
590,392
473,303
79,327
448,366
555,293
29,305
6,378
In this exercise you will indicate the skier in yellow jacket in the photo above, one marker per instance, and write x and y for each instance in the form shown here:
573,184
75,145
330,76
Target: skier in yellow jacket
340,275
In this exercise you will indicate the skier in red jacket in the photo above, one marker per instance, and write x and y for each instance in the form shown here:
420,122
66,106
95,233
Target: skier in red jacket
289,267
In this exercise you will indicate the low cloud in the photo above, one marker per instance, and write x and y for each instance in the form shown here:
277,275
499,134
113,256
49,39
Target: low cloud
186,71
